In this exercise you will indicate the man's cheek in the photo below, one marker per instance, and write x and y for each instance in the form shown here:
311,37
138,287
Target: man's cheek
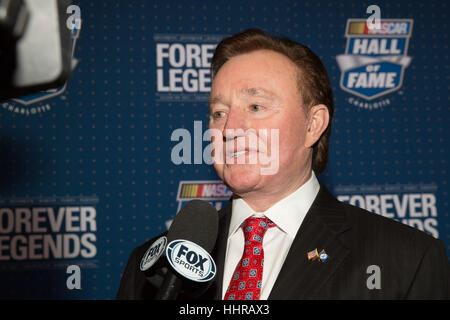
270,160
216,147
219,170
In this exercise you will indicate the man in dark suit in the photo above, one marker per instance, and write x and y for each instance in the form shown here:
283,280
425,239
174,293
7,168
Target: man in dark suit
283,235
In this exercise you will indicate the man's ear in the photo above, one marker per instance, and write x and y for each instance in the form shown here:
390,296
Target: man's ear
318,119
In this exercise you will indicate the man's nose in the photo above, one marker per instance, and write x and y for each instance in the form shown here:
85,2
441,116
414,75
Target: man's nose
235,125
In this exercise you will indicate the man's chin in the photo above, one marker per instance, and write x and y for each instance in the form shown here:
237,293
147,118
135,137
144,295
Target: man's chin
242,179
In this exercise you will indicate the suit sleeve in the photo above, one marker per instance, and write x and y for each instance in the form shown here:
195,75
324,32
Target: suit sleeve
135,285
128,282
432,278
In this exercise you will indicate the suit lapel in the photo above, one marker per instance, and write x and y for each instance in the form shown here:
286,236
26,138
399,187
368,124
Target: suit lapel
322,228
219,252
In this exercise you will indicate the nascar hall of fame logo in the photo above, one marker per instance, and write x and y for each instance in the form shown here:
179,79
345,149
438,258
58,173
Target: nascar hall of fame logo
375,60
213,191
36,103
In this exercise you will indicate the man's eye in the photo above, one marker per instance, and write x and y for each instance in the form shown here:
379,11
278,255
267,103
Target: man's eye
256,107
218,114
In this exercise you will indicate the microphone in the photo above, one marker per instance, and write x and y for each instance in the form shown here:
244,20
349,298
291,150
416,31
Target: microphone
154,264
190,239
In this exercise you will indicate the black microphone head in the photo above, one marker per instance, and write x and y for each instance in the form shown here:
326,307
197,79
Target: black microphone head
197,221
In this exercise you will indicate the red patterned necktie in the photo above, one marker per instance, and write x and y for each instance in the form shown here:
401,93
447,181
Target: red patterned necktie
247,278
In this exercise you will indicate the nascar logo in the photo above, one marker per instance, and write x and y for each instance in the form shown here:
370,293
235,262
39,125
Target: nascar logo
209,190
203,190
213,191
375,59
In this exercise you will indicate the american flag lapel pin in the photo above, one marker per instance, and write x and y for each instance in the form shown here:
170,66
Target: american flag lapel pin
313,254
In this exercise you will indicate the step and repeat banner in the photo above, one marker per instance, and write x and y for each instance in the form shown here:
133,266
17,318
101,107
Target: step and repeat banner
89,171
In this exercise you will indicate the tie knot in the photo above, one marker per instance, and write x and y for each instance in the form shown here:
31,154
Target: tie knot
255,228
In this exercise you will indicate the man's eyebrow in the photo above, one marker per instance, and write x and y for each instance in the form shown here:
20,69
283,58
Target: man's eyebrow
215,100
253,92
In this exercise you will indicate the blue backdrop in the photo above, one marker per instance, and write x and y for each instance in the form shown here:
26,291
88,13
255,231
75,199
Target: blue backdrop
85,170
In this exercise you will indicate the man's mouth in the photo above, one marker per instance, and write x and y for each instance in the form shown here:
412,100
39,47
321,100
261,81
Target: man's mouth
237,154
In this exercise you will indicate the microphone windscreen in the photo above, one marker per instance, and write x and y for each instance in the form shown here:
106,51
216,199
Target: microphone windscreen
197,221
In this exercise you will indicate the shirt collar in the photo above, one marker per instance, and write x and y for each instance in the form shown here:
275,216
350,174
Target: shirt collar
287,214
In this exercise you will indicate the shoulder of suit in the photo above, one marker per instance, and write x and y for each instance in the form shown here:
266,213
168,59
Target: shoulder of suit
141,249
369,224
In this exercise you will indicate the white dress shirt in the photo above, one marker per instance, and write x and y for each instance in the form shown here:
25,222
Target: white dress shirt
287,214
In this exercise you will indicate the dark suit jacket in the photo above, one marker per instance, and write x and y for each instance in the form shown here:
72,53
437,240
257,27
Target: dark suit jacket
412,264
